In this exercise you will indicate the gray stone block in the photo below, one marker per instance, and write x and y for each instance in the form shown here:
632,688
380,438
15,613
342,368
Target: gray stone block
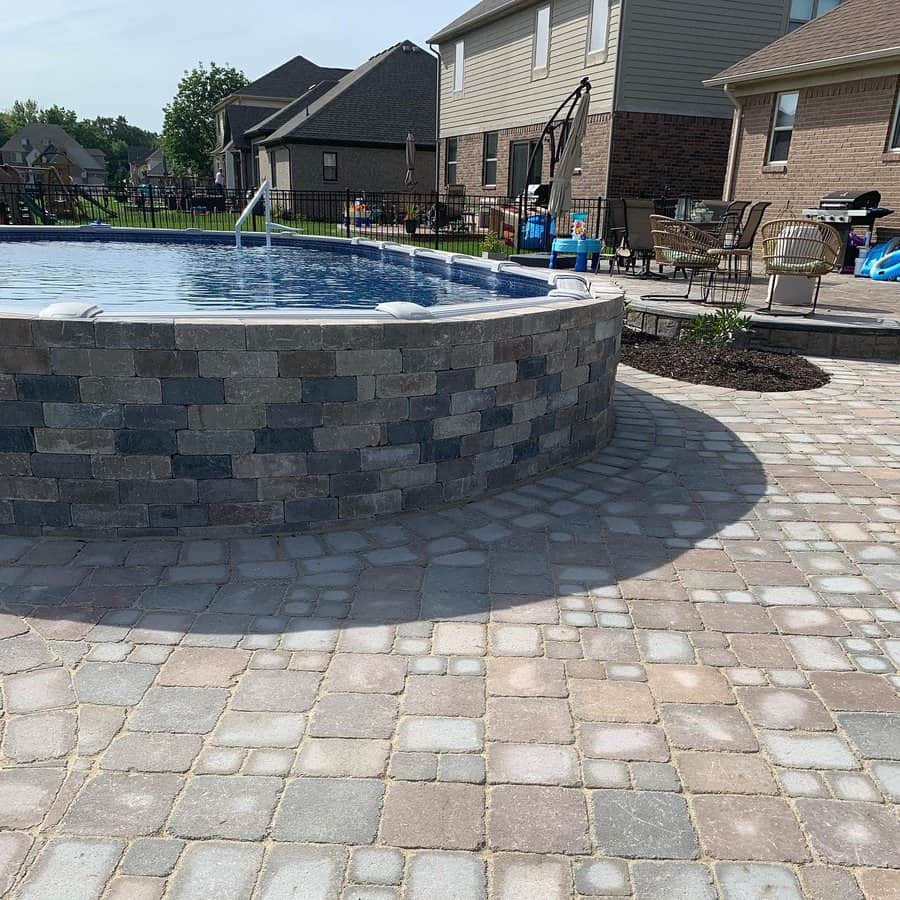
156,417
192,390
294,415
379,504
217,336
338,389
62,333
391,457
61,465
454,426
407,384
201,467
134,335
209,443
90,361
225,417
74,440
282,336
347,437
238,363
120,390
311,509
147,443
48,388
83,415
258,391
172,490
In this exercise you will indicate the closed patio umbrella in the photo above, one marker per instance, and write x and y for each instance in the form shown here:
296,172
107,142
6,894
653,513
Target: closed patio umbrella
410,179
561,189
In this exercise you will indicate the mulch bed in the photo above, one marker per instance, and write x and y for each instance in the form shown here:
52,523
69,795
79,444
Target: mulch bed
744,370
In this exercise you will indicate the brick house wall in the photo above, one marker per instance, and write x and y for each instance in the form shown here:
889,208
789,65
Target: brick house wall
839,141
657,155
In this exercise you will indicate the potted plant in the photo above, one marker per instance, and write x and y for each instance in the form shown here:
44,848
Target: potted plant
411,222
493,246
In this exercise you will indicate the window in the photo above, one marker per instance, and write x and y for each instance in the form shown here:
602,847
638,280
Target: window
489,168
329,166
894,143
542,38
599,27
256,181
273,168
459,64
520,173
783,127
450,148
802,11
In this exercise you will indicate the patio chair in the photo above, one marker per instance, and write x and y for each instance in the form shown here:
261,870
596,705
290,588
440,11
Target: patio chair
799,248
680,244
638,233
731,283
615,234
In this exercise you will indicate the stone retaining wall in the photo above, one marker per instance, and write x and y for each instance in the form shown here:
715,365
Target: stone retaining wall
811,338
117,427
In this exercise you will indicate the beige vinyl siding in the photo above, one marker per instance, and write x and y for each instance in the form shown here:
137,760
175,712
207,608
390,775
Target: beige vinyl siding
500,89
670,47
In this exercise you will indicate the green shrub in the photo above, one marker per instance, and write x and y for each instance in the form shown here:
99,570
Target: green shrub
719,329
493,243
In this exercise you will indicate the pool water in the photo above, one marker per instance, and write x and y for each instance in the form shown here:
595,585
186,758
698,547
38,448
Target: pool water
177,279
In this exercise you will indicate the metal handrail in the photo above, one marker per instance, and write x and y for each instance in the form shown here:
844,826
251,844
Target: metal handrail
262,193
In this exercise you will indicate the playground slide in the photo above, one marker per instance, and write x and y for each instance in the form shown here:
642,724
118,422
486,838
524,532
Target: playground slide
84,198
36,212
887,268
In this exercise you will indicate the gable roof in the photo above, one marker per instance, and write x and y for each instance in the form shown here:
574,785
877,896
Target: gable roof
40,136
240,118
480,14
378,103
290,79
854,32
286,113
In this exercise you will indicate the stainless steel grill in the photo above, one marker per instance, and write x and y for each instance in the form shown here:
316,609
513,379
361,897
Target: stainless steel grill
845,210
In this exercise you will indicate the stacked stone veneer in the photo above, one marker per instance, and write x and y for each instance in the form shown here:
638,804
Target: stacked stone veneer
164,427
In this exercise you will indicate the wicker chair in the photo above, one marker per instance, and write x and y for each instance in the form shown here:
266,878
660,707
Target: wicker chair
799,248
683,246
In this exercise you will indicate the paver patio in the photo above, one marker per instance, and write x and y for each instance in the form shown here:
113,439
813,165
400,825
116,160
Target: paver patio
668,672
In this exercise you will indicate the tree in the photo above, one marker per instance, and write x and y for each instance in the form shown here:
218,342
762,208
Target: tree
188,127
112,136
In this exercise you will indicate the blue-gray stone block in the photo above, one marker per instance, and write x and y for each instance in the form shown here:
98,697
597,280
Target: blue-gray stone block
146,443
201,467
48,388
193,390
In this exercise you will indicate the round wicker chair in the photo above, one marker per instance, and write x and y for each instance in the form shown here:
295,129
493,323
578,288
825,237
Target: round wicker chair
683,246
799,247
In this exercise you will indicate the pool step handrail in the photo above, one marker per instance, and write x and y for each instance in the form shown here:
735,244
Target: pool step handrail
261,194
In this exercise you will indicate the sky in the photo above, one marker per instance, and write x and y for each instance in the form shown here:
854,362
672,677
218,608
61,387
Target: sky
105,58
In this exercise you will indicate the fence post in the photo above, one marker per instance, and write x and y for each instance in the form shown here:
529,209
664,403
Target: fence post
519,214
150,198
347,213
597,222
437,219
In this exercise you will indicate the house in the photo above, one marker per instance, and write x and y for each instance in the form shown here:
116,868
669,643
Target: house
250,105
654,129
146,164
819,111
42,146
350,134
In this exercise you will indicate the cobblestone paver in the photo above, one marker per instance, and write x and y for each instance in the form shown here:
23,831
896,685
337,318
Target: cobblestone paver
672,671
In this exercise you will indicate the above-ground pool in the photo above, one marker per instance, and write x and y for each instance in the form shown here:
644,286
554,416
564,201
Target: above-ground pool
181,279
162,388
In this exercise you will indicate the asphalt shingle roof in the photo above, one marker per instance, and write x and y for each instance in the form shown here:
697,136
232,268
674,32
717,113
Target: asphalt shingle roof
855,27
286,113
242,118
378,103
41,136
291,79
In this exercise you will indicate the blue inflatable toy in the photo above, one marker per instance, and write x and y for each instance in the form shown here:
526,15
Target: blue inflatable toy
887,268
876,254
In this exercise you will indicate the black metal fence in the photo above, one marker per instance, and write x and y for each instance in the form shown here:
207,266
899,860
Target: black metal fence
459,223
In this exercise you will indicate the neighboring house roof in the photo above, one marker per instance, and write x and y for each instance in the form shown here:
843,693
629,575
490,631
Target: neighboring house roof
286,113
98,155
39,137
857,31
291,79
138,153
480,14
378,103
241,118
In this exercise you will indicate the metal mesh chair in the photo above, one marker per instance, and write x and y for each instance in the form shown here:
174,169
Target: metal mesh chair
799,248
730,285
683,246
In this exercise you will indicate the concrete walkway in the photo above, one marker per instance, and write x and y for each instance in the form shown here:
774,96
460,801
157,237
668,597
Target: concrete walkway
668,673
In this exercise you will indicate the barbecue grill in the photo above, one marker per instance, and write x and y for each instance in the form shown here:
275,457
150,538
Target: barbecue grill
844,210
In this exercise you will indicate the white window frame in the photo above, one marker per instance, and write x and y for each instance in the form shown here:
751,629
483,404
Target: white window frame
495,159
894,134
598,31
325,166
777,128
459,66
448,162
540,62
